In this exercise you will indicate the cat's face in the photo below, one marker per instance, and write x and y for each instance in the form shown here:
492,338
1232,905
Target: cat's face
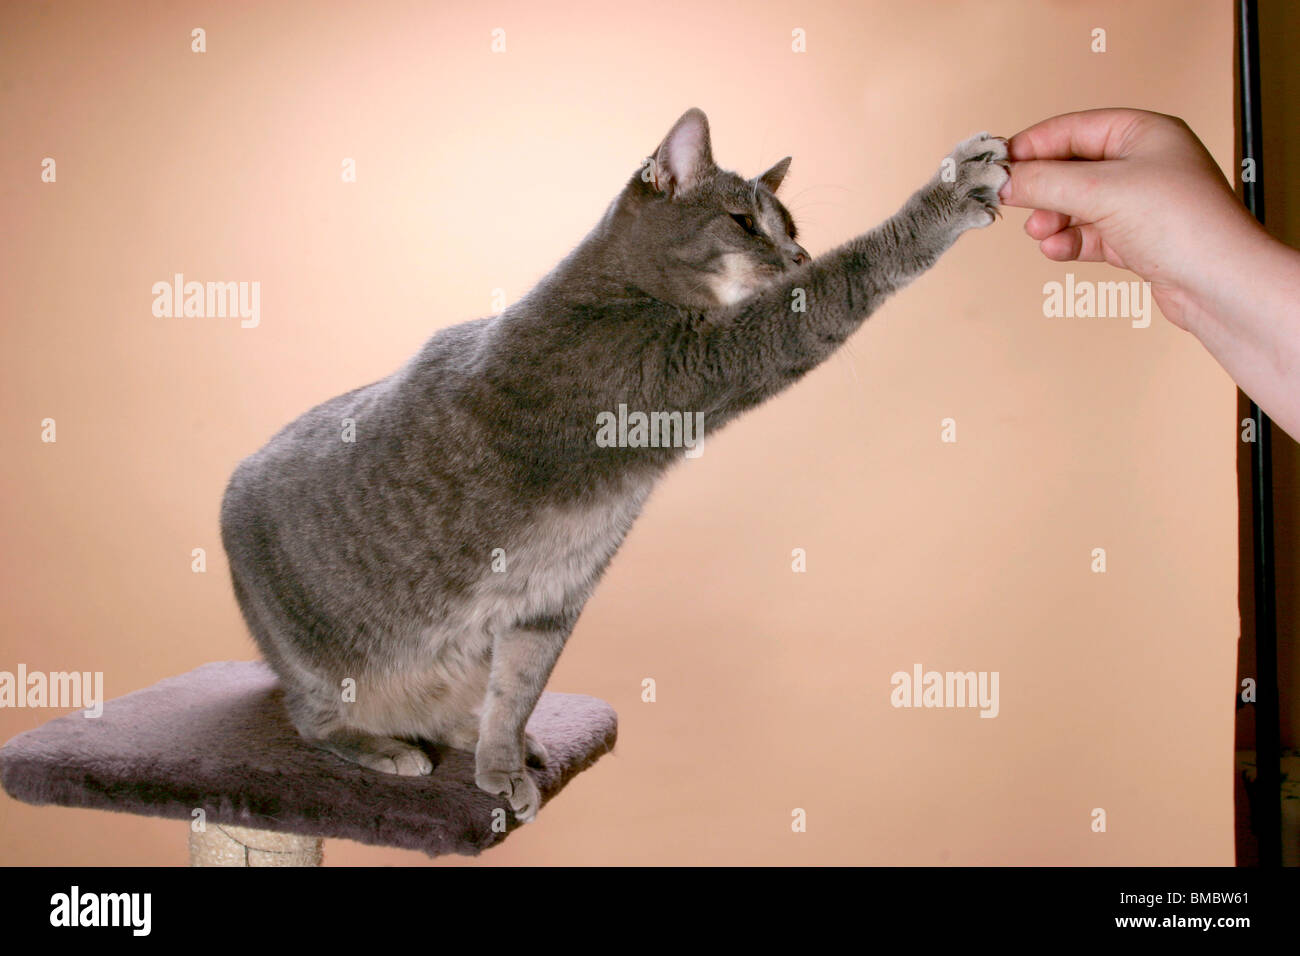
698,236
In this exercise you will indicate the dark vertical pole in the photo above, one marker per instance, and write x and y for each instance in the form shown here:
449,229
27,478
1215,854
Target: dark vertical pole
1266,807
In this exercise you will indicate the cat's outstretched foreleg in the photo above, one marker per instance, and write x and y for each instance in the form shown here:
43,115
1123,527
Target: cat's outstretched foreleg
731,359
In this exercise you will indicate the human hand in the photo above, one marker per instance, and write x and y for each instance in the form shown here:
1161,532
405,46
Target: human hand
1150,198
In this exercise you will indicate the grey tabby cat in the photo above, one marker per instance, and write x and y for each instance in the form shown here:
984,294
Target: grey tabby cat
376,559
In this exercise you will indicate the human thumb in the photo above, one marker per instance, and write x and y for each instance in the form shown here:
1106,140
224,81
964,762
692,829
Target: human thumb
1074,188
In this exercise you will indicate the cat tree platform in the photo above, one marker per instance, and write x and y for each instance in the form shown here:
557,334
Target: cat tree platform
214,748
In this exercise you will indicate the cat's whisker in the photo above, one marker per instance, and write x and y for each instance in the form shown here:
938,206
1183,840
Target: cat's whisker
850,359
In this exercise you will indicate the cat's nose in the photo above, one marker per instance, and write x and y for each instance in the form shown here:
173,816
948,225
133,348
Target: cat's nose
800,257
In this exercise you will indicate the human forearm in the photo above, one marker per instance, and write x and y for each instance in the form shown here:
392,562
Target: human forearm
1247,314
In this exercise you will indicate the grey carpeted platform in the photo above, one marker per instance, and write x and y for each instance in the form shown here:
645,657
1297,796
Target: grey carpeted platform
217,738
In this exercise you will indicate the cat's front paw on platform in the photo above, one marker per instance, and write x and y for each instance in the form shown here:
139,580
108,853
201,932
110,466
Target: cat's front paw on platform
972,175
516,786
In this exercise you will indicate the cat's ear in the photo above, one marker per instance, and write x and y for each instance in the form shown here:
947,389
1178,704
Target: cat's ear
685,156
773,177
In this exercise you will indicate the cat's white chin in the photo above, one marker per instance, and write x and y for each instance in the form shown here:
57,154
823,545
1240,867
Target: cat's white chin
736,280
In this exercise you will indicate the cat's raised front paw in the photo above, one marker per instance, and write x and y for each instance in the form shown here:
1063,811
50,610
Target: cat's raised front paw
516,786
972,175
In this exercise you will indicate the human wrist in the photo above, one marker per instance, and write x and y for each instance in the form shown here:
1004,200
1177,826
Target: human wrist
1237,268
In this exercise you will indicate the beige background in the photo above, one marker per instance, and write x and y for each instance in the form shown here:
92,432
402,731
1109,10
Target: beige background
479,171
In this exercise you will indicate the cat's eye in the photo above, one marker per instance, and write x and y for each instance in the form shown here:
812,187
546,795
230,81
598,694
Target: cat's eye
745,222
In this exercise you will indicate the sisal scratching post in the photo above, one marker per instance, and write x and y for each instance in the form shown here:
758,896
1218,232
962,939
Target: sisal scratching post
226,845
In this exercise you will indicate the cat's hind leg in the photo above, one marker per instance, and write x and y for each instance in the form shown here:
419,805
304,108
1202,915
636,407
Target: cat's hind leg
326,726
385,754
